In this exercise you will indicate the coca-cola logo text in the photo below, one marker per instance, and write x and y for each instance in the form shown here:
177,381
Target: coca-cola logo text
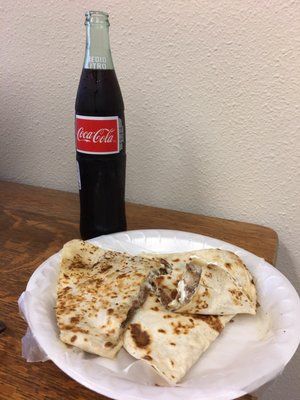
102,135
98,135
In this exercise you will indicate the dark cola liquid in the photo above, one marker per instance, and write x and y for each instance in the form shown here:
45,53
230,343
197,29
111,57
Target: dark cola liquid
102,177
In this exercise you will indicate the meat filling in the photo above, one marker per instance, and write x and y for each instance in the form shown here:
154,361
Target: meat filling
148,286
136,304
165,269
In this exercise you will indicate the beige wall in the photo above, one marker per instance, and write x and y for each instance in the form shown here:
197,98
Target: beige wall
212,95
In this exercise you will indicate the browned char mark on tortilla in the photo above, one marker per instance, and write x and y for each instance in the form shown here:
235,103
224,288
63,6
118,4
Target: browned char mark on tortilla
180,328
106,267
212,320
72,328
77,262
140,337
75,320
200,305
123,275
73,338
168,316
237,295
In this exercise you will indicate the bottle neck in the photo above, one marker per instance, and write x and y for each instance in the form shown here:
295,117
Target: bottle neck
97,52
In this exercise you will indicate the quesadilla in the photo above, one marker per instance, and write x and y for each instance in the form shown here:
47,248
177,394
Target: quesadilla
170,342
209,282
97,292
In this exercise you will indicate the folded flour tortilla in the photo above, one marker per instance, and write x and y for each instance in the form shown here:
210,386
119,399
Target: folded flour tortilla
97,292
170,342
209,282
153,305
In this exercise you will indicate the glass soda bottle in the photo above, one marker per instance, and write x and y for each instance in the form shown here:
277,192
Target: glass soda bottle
100,135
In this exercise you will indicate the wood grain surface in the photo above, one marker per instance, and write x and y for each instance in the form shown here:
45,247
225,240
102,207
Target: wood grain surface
35,223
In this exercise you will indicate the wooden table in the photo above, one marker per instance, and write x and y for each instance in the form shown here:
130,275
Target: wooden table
35,223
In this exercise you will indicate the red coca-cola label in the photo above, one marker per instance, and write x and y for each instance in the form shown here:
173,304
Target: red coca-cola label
97,135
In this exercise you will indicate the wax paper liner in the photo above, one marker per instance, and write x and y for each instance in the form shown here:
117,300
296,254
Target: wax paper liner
251,351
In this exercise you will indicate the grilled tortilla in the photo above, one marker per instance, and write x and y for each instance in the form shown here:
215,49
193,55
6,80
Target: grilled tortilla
209,282
98,290
170,342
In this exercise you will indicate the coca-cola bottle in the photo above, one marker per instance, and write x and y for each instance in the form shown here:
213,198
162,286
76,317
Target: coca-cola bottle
100,135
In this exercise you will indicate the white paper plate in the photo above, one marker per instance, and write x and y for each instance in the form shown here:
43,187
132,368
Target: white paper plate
249,352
